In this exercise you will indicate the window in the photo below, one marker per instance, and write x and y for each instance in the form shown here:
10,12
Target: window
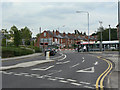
44,34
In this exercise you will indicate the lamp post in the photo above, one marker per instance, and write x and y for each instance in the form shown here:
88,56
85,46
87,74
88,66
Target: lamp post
119,24
101,28
109,33
88,23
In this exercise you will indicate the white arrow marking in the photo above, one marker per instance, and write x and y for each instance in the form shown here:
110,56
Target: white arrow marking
87,70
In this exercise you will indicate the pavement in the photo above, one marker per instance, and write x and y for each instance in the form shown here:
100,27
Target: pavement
68,69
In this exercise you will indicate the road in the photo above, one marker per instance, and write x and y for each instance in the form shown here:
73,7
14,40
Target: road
70,69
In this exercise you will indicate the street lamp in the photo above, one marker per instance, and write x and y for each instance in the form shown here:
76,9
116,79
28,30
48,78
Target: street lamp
101,28
88,23
109,33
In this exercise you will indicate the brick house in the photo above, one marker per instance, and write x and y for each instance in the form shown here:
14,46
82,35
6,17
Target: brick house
62,40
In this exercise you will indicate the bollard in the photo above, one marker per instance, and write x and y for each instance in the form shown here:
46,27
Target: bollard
47,55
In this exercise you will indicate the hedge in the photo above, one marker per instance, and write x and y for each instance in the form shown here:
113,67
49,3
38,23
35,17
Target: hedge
14,51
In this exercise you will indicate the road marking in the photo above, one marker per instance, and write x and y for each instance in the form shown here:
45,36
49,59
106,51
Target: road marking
89,87
75,65
48,76
72,80
52,79
24,73
103,75
101,82
18,74
85,83
63,81
83,58
62,58
28,75
7,73
59,78
63,62
43,68
83,61
39,77
88,70
77,84
96,63
34,74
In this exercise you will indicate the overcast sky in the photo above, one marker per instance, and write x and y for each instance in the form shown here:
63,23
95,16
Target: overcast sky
51,15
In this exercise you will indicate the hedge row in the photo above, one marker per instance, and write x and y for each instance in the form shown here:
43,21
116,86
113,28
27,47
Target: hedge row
14,51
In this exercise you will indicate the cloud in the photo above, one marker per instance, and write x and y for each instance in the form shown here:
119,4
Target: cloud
51,15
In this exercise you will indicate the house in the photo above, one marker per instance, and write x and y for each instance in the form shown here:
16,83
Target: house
62,40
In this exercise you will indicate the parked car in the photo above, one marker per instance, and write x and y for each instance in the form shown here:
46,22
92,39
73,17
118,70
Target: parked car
52,51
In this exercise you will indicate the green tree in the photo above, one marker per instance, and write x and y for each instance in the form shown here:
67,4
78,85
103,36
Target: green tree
26,34
15,33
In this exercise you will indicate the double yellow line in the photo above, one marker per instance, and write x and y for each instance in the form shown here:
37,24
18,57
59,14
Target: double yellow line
103,75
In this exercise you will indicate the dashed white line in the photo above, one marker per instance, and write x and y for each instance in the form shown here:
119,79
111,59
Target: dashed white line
63,81
77,84
28,75
18,74
59,78
72,80
7,72
51,79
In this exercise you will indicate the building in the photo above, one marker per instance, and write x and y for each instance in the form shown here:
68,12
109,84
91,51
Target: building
62,40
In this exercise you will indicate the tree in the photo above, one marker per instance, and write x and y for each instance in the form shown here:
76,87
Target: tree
26,34
105,34
15,33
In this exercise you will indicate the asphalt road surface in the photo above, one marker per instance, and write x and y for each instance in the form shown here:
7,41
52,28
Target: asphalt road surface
69,70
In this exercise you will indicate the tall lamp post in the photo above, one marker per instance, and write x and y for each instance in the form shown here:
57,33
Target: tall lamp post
119,24
101,28
88,23
109,33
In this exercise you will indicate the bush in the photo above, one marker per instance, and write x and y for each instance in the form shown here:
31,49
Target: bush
14,51
37,49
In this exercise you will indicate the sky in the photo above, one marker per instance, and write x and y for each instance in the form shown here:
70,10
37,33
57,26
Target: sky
62,15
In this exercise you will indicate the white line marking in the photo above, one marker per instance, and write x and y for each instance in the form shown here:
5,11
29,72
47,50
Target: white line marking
50,73
60,71
83,58
86,70
63,62
18,74
34,74
75,65
42,69
96,63
28,75
51,79
77,84
39,77
24,73
7,72
48,76
88,87
71,80
66,62
59,78
63,81
83,61
62,58
85,83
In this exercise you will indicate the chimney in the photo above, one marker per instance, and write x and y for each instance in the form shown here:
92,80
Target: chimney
53,32
64,34
57,32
